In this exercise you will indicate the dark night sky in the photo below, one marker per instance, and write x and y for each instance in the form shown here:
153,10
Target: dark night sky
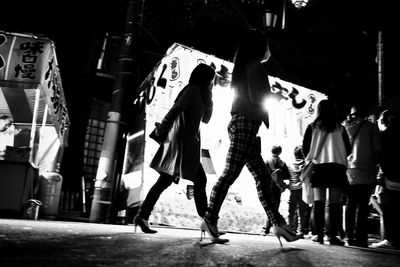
329,46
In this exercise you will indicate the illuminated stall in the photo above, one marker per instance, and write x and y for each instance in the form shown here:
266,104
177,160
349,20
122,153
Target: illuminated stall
291,108
31,93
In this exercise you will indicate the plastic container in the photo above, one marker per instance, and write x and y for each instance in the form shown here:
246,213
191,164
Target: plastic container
49,193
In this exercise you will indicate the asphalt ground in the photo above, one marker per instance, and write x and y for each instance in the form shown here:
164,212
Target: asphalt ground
64,243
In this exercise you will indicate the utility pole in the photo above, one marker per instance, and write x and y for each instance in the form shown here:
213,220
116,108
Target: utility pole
381,93
105,183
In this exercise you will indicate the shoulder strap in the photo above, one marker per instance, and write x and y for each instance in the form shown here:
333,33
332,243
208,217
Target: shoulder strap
276,164
320,144
355,134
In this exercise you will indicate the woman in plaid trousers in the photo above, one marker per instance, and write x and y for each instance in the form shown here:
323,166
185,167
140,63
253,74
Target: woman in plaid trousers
251,86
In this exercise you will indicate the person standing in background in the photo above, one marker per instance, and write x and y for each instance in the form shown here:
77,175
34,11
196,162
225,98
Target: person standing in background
279,173
330,138
361,173
5,139
297,207
5,122
389,177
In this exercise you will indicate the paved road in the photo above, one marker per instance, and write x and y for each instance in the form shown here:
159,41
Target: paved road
61,243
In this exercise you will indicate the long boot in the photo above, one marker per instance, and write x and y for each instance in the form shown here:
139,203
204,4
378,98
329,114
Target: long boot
319,220
335,217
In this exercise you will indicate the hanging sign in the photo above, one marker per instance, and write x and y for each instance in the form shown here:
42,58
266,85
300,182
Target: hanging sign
55,99
22,60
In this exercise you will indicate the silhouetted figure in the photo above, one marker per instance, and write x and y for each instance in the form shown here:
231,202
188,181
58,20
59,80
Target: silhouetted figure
389,197
361,173
330,168
251,86
179,153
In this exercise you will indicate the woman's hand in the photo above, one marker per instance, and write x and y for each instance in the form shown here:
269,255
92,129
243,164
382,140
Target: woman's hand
159,134
161,130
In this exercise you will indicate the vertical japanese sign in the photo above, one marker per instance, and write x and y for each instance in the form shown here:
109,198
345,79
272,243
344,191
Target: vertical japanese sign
55,98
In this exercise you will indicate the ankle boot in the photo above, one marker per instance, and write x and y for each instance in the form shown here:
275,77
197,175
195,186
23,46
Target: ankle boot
319,220
335,217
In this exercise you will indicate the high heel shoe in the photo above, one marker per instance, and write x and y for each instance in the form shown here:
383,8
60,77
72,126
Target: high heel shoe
285,232
221,232
212,231
143,224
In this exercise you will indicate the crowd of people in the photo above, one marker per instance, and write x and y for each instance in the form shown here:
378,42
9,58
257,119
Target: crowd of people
353,160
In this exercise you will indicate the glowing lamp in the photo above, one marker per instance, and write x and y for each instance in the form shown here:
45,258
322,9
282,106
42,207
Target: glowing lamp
299,3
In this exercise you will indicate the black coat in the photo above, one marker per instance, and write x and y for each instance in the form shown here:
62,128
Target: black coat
179,154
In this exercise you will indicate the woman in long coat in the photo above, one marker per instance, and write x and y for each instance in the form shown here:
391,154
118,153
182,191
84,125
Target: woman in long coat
179,153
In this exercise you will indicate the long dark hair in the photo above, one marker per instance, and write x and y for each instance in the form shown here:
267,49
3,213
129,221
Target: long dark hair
326,115
202,75
252,46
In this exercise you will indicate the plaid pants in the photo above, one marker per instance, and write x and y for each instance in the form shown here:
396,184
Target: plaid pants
243,150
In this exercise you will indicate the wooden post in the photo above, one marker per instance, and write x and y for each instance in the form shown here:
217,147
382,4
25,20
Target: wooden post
32,153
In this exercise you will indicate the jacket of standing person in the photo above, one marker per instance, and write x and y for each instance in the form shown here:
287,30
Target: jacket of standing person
279,169
366,147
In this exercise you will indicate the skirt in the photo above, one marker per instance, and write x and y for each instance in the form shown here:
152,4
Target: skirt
329,175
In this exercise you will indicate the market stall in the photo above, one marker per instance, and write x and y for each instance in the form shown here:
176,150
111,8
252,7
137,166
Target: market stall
31,93
291,107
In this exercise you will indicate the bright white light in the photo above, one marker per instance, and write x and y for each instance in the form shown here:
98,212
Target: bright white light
223,95
135,135
222,98
271,104
214,131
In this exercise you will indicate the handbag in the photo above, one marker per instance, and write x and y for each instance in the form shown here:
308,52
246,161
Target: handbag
161,130
308,169
307,173
158,134
307,192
